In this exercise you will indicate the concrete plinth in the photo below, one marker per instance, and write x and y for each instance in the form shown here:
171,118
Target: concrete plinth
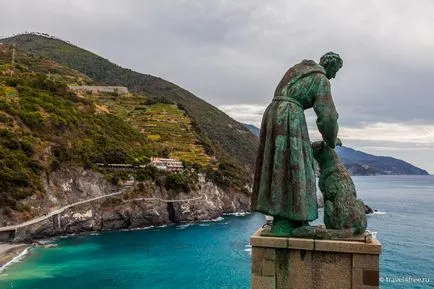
292,263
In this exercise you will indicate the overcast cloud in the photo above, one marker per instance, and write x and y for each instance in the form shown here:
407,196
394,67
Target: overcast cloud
233,53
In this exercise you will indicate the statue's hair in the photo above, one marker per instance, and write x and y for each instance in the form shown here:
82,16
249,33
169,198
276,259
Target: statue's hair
331,58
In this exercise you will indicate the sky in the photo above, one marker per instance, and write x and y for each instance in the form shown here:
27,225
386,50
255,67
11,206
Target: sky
233,54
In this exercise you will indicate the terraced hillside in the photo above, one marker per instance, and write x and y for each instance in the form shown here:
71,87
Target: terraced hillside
167,128
221,136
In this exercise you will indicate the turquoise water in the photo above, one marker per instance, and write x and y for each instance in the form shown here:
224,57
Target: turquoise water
216,254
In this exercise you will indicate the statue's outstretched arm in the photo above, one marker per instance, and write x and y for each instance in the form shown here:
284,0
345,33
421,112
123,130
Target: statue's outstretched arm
326,113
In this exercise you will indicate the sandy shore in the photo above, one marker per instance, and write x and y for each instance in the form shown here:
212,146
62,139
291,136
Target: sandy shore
9,251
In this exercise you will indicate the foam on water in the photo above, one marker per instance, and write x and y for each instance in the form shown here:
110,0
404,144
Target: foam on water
238,214
183,226
248,248
218,219
17,259
379,213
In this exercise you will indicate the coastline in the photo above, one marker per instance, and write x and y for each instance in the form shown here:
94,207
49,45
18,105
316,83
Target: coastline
13,252
9,252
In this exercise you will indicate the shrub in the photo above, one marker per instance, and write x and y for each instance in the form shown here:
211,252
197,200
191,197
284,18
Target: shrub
158,99
115,156
149,173
218,178
7,212
33,120
178,182
161,181
27,146
62,154
4,118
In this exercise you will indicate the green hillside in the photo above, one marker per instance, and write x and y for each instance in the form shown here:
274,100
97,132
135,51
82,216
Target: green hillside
27,62
166,128
220,135
43,125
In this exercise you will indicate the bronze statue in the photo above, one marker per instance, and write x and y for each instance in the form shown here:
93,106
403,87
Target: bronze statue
285,181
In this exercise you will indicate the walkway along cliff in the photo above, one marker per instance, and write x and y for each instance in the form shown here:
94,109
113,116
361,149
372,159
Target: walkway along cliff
90,203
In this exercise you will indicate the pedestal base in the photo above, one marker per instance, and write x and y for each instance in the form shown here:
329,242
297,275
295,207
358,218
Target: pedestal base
291,263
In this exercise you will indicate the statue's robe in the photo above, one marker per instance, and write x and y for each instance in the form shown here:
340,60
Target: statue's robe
285,181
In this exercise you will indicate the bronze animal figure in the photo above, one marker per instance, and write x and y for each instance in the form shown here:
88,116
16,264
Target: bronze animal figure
344,214
342,209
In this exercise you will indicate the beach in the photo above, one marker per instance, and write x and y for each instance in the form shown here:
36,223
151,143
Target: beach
8,251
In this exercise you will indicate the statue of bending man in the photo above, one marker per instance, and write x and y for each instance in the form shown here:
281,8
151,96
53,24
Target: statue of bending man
285,182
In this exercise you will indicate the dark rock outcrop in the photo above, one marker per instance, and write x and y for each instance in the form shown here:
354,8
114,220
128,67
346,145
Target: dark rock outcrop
126,211
368,210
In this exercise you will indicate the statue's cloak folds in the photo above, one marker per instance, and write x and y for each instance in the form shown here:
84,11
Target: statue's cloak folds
285,181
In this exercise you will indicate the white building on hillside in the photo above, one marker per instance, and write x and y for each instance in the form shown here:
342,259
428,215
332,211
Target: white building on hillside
167,164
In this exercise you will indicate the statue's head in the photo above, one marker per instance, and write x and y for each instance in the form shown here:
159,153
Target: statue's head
331,62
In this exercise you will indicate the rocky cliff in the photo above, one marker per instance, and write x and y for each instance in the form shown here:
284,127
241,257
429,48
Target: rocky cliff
134,208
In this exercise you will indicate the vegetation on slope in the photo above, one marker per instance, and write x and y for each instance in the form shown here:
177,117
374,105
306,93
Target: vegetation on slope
167,129
25,62
43,124
221,136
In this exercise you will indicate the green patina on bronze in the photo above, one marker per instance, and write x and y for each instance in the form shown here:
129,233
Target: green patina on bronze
344,214
342,209
284,182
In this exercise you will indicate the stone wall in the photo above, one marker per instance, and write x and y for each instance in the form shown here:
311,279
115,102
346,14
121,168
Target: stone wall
290,263
97,89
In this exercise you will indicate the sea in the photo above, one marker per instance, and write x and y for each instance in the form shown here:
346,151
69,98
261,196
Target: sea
217,255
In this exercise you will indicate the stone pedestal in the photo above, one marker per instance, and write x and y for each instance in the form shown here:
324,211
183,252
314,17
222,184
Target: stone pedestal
292,263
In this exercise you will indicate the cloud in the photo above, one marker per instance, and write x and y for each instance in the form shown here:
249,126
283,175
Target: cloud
245,113
383,132
232,53
416,134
